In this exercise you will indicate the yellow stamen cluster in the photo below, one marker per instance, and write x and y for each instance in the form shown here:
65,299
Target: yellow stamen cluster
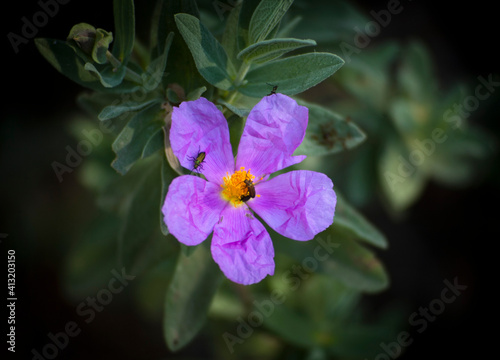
234,187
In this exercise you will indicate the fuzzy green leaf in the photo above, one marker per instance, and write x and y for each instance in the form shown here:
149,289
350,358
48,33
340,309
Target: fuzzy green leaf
63,58
188,297
328,132
114,111
129,144
155,70
268,50
401,181
353,264
140,242
124,19
355,226
107,75
266,18
293,75
229,39
336,252
208,54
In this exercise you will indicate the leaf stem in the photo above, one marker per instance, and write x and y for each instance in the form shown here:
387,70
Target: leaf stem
242,72
238,81
129,74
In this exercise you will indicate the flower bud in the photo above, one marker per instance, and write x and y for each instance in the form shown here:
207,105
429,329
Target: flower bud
94,43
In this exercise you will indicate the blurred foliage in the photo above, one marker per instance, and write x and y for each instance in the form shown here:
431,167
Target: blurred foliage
385,129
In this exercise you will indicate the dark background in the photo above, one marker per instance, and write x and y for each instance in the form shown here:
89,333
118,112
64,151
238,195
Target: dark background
448,233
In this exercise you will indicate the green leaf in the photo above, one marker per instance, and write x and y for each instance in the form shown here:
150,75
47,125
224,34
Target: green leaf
401,181
328,132
89,43
416,73
266,18
114,111
92,257
124,19
292,326
188,297
238,111
368,75
335,253
129,144
107,74
196,93
341,18
167,175
139,236
209,56
102,41
245,16
60,55
181,68
293,75
268,50
155,70
353,264
354,225
154,144
229,39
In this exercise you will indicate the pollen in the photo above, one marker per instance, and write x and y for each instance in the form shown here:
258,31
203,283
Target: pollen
235,188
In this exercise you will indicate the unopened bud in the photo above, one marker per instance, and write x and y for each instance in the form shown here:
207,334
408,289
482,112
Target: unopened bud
92,42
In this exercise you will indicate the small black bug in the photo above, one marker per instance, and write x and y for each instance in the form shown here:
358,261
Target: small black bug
274,89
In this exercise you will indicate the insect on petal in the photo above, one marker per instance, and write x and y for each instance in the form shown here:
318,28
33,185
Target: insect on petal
198,127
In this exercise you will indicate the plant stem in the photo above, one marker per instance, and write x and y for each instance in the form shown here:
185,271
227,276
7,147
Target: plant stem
130,74
242,72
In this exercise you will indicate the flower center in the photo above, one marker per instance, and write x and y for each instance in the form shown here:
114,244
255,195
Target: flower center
238,188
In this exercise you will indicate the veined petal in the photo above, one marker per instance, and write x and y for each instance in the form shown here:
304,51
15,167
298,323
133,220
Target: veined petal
298,204
274,128
198,126
192,207
242,247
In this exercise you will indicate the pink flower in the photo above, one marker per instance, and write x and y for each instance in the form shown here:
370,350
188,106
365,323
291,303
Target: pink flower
298,204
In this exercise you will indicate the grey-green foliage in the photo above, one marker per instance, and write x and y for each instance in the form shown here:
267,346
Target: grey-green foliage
134,89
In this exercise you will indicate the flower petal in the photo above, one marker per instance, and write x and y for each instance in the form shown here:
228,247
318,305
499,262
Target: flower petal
242,247
298,204
192,207
198,126
274,128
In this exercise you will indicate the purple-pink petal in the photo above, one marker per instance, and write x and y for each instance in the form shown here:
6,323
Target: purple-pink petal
198,126
242,247
274,128
298,204
192,208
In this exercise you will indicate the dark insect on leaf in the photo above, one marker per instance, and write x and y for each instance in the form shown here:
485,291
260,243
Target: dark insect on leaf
274,89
